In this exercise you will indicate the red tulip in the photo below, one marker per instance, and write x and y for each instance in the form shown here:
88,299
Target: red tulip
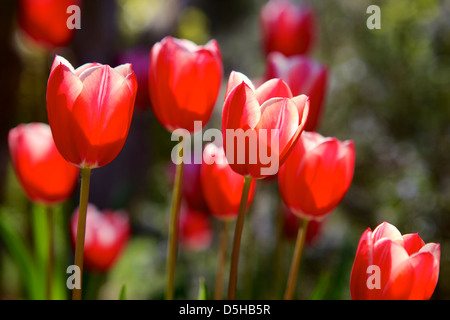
316,175
195,229
260,126
184,82
45,21
287,27
90,110
138,58
107,234
43,173
389,266
222,187
304,76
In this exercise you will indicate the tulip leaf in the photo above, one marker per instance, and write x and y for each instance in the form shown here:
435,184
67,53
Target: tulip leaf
202,294
17,248
40,241
322,286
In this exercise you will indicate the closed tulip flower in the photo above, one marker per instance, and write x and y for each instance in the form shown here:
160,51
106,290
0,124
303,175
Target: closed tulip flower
304,76
107,233
45,21
392,266
317,174
222,187
287,27
184,82
43,173
259,126
90,110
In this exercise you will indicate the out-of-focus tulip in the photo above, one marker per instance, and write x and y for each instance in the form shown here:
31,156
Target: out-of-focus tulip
259,126
287,27
316,175
43,173
222,187
107,233
45,21
90,110
304,76
291,223
195,229
392,266
138,58
184,82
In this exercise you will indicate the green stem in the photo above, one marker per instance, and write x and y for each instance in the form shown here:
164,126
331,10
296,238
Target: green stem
222,260
237,240
81,229
172,249
51,254
299,244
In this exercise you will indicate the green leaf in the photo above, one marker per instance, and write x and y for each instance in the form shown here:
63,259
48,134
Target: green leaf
20,253
123,293
40,242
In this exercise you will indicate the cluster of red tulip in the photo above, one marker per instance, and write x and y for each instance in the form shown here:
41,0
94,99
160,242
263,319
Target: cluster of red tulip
90,110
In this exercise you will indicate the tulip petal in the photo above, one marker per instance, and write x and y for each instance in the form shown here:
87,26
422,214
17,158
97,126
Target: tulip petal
63,89
236,78
241,109
397,274
61,60
103,114
387,230
363,259
319,181
160,95
277,126
426,268
412,243
197,101
222,187
302,104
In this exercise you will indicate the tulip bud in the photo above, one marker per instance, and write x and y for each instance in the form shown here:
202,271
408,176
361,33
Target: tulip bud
184,82
45,21
90,110
287,27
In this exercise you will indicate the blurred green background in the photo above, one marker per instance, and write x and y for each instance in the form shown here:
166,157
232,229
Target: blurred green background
389,91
